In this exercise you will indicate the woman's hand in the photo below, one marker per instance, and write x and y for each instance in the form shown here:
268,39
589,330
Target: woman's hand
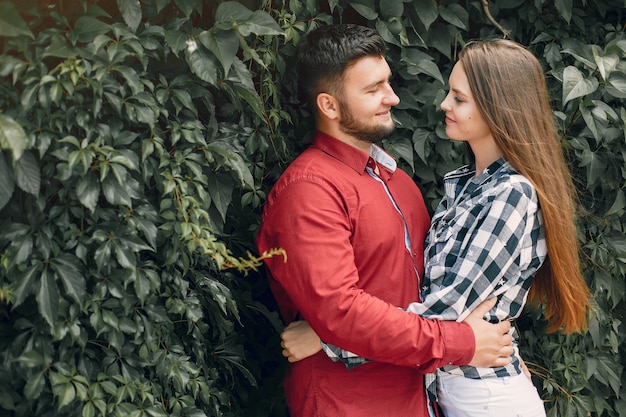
299,341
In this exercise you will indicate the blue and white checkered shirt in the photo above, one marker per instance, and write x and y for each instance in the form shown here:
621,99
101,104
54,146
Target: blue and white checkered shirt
486,239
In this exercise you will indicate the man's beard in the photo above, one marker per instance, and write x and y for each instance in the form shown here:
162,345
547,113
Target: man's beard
353,127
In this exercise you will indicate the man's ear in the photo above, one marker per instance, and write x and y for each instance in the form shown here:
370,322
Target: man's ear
327,106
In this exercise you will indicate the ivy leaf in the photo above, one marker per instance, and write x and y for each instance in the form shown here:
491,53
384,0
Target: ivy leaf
34,385
365,8
231,11
12,136
27,174
575,85
48,298
221,193
114,192
69,271
11,23
131,12
67,395
455,14
201,63
32,359
427,12
26,285
87,28
88,190
402,148
6,182
60,48
617,84
176,40
260,23
564,7
606,64
131,77
224,46
420,139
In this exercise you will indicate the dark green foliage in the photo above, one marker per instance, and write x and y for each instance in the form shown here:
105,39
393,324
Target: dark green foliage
138,141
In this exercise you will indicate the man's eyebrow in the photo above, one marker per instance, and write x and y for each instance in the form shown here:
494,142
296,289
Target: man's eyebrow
376,83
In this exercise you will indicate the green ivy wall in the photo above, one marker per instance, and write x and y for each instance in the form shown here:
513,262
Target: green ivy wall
138,140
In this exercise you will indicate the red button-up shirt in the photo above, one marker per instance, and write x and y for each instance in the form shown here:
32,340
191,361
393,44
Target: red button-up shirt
347,271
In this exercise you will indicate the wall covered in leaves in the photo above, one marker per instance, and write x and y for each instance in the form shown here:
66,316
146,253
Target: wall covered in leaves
138,140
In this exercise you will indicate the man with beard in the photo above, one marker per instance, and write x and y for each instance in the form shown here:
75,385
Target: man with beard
353,226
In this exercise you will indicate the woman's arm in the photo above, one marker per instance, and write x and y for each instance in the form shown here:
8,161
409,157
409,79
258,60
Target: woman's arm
299,341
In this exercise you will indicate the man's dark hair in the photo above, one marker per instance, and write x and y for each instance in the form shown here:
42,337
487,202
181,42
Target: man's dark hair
326,52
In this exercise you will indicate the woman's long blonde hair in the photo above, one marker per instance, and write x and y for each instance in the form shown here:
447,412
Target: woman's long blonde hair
509,87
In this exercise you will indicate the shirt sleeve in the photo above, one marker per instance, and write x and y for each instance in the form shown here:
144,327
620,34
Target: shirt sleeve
320,278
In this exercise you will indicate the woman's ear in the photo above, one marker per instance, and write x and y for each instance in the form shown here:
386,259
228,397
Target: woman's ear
327,105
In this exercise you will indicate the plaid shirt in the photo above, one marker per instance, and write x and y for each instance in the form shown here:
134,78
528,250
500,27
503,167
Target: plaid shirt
486,239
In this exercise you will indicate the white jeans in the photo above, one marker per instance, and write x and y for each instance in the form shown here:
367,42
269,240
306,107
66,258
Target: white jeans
513,396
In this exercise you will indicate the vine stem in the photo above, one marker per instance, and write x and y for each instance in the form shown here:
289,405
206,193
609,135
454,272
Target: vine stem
505,32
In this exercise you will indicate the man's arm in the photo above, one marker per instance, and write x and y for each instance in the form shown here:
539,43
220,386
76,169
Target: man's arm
493,343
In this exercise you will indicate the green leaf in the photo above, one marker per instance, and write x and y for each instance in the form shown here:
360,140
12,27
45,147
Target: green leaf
11,23
131,77
177,40
617,84
60,48
110,318
231,10
402,148
142,287
6,181
455,14
88,410
618,204
34,386
12,136
564,7
392,8
87,28
575,85
221,194
114,192
201,63
88,190
606,64
66,396
131,12
224,46
260,23
48,298
27,175
24,247
427,11
365,8
420,140
32,359
25,285
125,257
68,269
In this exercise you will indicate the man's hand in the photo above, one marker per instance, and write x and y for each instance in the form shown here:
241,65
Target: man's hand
493,341
299,341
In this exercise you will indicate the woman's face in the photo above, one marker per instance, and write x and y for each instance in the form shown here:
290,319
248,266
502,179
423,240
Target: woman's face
463,120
